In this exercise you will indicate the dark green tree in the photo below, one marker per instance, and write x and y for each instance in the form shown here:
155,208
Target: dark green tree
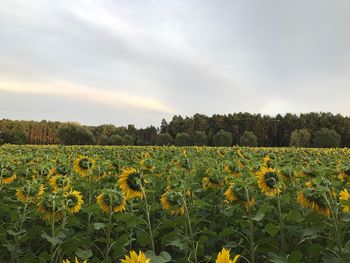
164,139
183,139
200,138
300,138
116,140
248,138
222,138
74,134
326,138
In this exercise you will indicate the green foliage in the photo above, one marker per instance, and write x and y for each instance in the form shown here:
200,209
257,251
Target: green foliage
222,138
300,138
183,139
116,140
326,138
164,139
74,134
248,139
200,138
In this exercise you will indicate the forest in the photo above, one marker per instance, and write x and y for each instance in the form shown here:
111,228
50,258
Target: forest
315,129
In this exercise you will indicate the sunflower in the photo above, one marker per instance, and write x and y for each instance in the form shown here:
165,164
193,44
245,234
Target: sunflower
345,197
111,201
214,179
29,193
344,175
267,161
59,182
136,258
220,153
147,164
7,175
48,206
73,201
131,183
234,193
83,165
171,201
224,257
268,181
76,261
310,198
232,169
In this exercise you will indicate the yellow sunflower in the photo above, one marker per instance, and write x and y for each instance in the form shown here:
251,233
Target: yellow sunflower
29,193
345,196
344,175
269,181
49,206
7,175
171,201
234,193
224,257
83,165
131,183
232,169
136,258
311,199
111,201
213,180
59,182
76,261
73,201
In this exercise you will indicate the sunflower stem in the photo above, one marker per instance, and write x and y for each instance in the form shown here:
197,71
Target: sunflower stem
53,230
147,209
109,230
251,227
280,216
194,246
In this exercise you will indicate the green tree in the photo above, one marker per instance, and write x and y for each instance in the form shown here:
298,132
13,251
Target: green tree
300,138
183,139
326,138
116,140
74,134
200,138
164,139
248,138
128,140
222,138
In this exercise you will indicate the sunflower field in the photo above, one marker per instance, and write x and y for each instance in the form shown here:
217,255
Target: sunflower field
174,204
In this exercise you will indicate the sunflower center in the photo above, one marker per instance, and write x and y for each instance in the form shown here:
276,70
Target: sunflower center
112,199
85,164
271,179
135,181
72,200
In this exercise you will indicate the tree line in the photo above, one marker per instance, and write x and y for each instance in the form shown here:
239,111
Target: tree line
304,130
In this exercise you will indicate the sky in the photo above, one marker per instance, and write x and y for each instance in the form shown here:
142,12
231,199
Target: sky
138,61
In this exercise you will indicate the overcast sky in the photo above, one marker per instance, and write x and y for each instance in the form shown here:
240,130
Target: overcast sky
138,61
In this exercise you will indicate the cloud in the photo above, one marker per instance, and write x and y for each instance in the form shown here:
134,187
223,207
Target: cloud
112,98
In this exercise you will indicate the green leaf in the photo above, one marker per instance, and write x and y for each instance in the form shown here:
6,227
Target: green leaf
295,216
178,243
54,240
227,232
271,229
163,257
258,217
84,254
345,217
295,257
99,226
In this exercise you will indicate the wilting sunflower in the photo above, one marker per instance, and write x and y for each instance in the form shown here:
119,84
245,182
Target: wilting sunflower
220,153
172,202
232,169
269,181
314,200
344,175
235,193
83,165
345,197
224,257
73,201
111,201
76,261
136,258
131,183
59,182
49,206
267,161
29,193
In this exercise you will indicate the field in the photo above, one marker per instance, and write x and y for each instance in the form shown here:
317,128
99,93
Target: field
175,204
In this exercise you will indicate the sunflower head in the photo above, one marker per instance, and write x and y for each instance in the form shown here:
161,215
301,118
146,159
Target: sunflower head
344,198
73,201
49,206
76,261
29,193
313,199
172,202
59,182
236,193
7,174
224,257
111,201
136,258
83,165
131,182
269,181
213,179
